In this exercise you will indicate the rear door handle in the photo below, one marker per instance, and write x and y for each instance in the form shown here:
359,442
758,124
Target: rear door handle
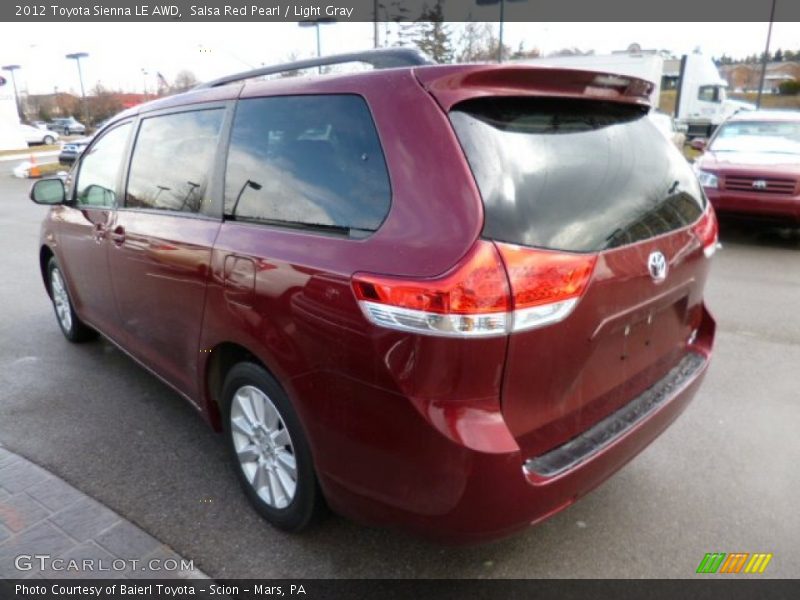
118,235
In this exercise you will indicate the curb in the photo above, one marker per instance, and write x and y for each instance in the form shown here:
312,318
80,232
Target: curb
41,515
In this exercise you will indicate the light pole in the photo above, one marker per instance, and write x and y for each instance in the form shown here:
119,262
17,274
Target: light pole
502,4
316,23
766,56
11,69
77,56
144,82
374,23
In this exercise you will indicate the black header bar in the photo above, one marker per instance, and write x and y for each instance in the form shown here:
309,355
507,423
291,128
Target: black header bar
402,10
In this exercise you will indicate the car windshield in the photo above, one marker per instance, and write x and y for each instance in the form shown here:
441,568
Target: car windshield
777,137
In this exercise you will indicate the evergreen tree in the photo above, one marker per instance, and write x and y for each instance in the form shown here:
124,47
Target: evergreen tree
432,35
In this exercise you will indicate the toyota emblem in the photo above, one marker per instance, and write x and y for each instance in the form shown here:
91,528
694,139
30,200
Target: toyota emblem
657,265
759,184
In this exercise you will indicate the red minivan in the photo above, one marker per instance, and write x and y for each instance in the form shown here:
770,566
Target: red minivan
452,299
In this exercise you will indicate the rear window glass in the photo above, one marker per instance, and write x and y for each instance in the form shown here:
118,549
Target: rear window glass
307,161
575,175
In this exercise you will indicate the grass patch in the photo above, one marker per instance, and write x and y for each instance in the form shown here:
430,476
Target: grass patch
771,100
52,168
690,153
667,100
34,150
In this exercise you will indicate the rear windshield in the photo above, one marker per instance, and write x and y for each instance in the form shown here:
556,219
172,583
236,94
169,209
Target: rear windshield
575,175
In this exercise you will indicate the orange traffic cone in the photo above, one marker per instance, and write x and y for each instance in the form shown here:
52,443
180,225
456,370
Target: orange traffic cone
34,171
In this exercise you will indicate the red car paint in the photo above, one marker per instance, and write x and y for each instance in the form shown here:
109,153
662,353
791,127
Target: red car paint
425,432
741,175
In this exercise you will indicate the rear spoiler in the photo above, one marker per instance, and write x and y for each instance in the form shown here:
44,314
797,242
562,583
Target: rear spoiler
452,84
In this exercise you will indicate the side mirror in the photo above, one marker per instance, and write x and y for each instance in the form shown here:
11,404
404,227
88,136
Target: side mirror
48,191
699,144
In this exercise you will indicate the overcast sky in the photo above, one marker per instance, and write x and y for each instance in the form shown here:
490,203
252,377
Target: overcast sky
119,51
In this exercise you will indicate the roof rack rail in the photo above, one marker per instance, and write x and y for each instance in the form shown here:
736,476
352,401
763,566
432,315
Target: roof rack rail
381,58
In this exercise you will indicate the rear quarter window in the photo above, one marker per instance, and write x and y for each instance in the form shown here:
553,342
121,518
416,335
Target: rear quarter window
313,162
575,175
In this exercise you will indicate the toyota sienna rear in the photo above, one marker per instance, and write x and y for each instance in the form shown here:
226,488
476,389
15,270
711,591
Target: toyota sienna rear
452,299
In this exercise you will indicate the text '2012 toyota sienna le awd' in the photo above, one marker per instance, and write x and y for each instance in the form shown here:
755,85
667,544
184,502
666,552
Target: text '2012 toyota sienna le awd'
452,299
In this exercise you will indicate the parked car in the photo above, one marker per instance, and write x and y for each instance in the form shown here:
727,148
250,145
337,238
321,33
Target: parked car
667,126
70,151
67,126
39,124
751,165
451,299
33,135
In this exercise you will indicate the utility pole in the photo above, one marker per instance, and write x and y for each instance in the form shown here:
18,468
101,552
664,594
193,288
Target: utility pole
502,4
316,23
502,19
374,23
765,56
77,56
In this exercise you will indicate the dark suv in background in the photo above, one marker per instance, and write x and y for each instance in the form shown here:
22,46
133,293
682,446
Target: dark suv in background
67,126
449,298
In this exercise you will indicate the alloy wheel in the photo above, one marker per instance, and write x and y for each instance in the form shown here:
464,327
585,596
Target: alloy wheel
61,299
263,447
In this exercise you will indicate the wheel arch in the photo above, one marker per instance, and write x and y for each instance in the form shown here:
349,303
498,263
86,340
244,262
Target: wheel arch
222,358
45,254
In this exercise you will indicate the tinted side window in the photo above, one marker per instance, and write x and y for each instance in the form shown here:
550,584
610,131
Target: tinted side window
310,161
171,161
99,168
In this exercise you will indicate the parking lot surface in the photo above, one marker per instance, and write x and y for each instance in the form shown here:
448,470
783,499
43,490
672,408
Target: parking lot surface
723,478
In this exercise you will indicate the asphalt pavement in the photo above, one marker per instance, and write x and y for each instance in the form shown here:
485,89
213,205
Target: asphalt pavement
723,478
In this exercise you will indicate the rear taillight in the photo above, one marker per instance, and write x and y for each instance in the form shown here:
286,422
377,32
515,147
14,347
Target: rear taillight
494,290
707,231
545,284
472,299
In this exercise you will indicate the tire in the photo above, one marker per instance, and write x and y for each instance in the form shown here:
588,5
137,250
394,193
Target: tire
49,140
264,449
72,327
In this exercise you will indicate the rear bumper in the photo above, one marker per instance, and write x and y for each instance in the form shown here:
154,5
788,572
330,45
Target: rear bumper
757,205
604,433
446,491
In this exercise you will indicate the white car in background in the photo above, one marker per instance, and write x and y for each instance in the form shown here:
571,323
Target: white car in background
34,135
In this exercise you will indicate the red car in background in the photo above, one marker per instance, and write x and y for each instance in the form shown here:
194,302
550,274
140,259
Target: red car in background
448,298
751,166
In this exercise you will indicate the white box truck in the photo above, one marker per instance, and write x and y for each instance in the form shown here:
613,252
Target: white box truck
701,102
